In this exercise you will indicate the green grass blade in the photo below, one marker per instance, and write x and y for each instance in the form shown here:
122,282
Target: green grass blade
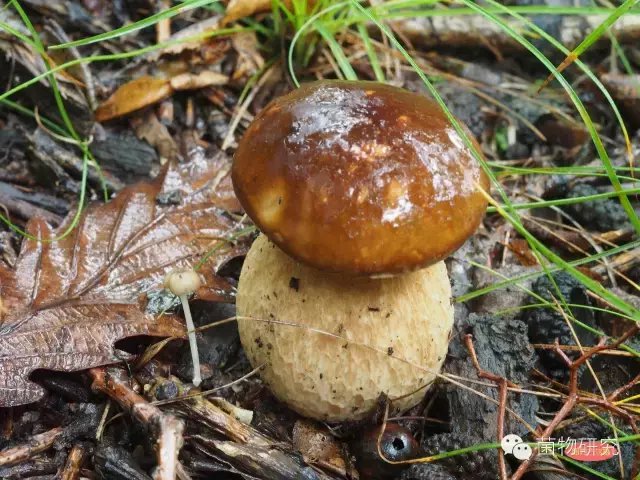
533,275
303,31
337,52
114,56
39,46
371,53
597,141
603,27
584,467
567,201
140,24
19,35
580,65
45,121
386,10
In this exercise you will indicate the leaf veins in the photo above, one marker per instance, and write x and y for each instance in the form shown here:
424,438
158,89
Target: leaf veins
66,302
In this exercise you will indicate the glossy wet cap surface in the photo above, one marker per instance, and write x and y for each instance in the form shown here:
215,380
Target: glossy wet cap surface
359,177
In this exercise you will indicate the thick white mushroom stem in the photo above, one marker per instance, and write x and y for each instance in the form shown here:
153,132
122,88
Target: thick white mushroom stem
183,283
331,344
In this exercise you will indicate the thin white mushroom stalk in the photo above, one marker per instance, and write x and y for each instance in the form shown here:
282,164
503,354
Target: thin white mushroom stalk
183,283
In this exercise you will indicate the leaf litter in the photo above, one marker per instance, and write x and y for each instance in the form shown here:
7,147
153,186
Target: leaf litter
68,300
497,109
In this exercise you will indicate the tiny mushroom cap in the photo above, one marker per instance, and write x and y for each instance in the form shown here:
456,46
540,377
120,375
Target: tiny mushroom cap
182,282
359,177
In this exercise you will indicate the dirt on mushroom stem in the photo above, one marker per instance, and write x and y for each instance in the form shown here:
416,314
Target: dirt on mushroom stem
330,344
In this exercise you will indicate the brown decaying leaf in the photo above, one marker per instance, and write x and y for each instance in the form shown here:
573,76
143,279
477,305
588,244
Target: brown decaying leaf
522,251
134,95
145,91
155,133
249,61
66,302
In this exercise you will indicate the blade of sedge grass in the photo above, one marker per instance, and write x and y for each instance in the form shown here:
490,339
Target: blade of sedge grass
371,53
530,276
337,52
140,24
302,31
582,67
566,201
592,38
604,156
25,111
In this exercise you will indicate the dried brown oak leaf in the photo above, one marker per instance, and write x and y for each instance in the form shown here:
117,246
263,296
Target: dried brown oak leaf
66,302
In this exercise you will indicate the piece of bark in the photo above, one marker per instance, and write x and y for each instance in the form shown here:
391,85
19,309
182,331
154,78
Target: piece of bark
503,348
58,160
205,467
39,467
124,153
63,385
12,141
28,205
268,463
116,463
48,202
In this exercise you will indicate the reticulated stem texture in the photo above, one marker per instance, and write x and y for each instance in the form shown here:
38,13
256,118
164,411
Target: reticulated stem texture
330,344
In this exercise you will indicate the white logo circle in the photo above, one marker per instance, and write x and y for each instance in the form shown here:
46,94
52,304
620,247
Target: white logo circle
510,441
522,451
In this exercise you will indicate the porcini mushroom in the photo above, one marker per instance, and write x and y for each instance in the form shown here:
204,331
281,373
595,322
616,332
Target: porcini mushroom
183,283
363,189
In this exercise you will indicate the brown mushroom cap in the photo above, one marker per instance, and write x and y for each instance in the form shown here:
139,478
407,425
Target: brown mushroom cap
359,177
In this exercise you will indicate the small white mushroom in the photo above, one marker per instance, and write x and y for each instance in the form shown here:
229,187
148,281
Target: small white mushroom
183,283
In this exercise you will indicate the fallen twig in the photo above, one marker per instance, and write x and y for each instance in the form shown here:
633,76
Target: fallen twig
502,383
71,469
573,397
167,428
248,449
37,444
